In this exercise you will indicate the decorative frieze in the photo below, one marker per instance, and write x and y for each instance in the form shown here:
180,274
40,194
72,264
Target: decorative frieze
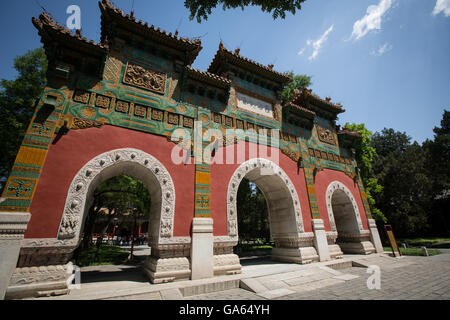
102,101
173,118
122,106
140,111
188,122
81,96
157,115
79,123
145,78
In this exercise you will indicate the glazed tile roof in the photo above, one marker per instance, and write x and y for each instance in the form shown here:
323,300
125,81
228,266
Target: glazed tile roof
208,77
300,110
51,30
109,12
300,98
234,57
348,132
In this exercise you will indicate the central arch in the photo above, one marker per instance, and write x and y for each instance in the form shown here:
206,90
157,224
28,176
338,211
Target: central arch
159,183
292,243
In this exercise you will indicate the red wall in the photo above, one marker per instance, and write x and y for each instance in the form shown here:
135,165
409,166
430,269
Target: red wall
220,178
72,151
323,180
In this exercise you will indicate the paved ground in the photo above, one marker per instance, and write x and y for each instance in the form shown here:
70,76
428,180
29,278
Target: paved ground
408,278
401,278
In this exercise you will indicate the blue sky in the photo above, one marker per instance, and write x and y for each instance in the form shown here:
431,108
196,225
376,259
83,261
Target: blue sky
386,61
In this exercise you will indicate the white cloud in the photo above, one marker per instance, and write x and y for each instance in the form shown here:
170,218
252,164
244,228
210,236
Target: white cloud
442,6
382,50
301,52
372,19
317,45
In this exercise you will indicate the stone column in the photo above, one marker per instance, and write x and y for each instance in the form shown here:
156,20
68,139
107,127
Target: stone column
202,248
374,235
320,240
12,228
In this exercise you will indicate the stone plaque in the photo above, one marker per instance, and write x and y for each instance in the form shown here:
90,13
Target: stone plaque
145,78
254,105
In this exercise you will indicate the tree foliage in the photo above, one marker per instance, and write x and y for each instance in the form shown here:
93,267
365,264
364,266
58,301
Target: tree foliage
17,102
253,218
365,154
118,196
299,81
201,9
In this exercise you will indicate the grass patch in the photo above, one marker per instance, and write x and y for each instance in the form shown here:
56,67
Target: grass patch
414,251
427,242
103,255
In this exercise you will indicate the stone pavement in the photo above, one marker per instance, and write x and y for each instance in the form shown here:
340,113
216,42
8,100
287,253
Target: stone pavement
405,278
401,278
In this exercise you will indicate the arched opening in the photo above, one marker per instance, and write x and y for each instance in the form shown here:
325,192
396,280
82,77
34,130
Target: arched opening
160,186
253,222
345,223
113,232
290,242
344,216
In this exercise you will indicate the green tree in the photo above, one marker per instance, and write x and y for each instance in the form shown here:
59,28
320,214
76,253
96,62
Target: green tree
118,196
406,196
201,9
439,170
17,102
389,141
365,154
299,81
252,216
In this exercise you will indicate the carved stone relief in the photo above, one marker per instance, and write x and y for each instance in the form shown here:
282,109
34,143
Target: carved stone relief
145,78
326,135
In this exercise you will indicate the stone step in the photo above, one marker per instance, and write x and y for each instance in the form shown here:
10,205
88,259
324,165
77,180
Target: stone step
208,287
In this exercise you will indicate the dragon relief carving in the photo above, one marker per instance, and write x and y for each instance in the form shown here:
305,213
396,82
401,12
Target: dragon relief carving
326,135
79,123
145,78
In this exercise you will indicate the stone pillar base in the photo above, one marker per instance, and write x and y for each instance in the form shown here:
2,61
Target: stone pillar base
375,236
335,251
320,239
227,264
363,247
296,255
12,228
161,270
39,281
202,248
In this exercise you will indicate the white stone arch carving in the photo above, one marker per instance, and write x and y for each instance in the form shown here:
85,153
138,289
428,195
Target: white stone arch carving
332,187
236,178
130,161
